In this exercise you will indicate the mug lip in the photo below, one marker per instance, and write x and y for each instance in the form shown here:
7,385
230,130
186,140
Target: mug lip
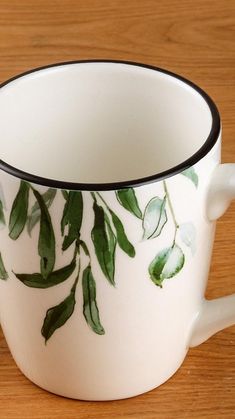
186,164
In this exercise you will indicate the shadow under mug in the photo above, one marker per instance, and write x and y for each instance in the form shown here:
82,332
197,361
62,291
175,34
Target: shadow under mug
111,183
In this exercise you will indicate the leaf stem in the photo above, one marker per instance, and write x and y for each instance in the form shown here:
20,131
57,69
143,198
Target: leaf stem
171,210
84,247
65,194
76,250
104,202
73,289
176,229
93,196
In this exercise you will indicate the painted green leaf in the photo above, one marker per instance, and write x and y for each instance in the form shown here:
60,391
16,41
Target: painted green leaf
2,217
166,264
57,316
155,218
36,280
104,242
18,215
128,200
188,235
84,247
2,199
3,272
90,309
34,216
191,174
122,239
65,194
46,241
72,216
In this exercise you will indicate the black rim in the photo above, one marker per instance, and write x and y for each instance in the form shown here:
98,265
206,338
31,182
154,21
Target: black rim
191,161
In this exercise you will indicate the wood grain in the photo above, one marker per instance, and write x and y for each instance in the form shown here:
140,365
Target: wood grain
196,39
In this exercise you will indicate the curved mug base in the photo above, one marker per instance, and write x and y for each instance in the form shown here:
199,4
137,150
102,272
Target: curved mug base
106,396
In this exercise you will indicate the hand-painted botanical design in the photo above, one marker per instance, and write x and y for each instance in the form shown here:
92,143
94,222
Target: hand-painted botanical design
107,233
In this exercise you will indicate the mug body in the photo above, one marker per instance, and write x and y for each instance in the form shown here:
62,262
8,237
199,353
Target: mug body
105,242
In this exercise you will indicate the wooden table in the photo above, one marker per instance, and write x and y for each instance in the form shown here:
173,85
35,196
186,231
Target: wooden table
196,39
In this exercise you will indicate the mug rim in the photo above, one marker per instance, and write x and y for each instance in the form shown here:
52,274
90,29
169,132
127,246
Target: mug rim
186,164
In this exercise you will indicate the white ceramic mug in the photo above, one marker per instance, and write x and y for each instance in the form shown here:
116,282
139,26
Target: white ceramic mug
110,186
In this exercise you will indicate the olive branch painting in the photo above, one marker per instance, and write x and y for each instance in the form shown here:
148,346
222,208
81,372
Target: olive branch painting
107,233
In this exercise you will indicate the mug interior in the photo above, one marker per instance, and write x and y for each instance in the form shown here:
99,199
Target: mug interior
100,122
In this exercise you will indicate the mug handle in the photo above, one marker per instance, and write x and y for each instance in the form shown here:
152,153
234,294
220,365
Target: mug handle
217,314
